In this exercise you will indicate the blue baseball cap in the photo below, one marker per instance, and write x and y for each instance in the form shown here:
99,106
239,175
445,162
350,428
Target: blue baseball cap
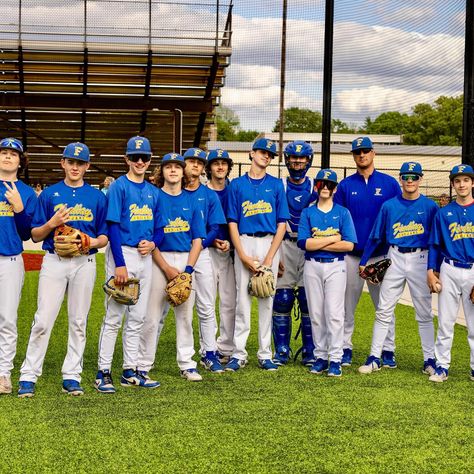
77,151
138,146
362,142
326,175
219,154
12,144
411,167
459,170
196,153
265,144
173,158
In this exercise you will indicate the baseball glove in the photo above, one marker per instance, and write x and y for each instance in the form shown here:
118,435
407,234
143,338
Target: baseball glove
127,294
472,295
70,242
179,288
375,272
262,283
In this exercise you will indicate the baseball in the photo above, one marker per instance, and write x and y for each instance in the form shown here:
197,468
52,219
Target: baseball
437,287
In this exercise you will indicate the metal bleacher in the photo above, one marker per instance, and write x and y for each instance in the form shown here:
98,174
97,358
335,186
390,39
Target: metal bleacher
103,83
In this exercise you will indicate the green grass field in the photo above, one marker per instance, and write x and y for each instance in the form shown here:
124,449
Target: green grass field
251,421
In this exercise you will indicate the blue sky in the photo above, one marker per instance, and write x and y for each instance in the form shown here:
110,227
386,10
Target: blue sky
389,55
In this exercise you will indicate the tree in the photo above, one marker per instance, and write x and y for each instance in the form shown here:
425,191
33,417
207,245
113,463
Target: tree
392,123
228,127
338,126
301,120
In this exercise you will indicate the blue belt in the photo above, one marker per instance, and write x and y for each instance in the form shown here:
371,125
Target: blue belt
259,234
325,259
457,264
407,249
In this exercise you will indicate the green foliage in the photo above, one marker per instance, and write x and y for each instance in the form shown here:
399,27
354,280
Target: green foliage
338,126
391,123
250,421
228,127
301,121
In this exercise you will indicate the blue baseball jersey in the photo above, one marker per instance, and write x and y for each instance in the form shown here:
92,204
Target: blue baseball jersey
364,200
402,222
88,209
206,200
299,196
183,221
257,206
315,223
11,236
453,233
223,196
135,207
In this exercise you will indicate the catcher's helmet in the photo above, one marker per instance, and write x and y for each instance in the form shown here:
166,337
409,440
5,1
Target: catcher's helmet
196,153
77,151
12,144
266,145
138,146
300,149
173,158
326,175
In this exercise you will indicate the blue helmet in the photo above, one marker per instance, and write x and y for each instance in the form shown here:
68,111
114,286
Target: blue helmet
266,145
173,158
301,149
77,151
138,146
196,153
12,144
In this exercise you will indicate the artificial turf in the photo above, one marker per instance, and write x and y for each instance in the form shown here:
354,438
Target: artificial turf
250,421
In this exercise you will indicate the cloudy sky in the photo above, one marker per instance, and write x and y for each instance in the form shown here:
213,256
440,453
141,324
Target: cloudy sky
388,55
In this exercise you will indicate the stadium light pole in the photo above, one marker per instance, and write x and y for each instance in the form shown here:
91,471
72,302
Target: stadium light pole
468,106
282,84
327,84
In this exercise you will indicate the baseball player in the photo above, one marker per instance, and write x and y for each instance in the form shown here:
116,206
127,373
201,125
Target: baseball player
177,252
134,223
210,207
326,232
218,167
83,207
299,194
451,253
17,205
257,217
404,222
363,193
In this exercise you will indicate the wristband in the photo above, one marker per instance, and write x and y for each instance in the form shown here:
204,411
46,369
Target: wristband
189,269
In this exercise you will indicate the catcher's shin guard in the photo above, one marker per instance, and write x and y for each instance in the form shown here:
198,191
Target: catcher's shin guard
281,322
307,349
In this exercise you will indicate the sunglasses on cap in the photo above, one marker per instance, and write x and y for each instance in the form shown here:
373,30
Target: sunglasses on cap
413,177
362,150
136,158
329,184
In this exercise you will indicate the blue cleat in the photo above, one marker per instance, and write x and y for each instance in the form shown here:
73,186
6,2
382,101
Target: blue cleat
211,362
146,381
267,364
441,375
372,364
72,387
235,364
388,360
346,360
334,369
133,378
429,367
319,366
26,390
103,382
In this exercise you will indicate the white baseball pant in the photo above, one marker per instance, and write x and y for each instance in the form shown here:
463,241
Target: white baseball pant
256,247
58,275
12,273
292,258
138,266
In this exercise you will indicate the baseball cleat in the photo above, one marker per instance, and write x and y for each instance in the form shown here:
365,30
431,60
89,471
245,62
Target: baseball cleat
129,378
429,367
267,364
211,362
320,366
307,358
72,387
346,360
235,364
223,359
103,382
388,360
334,369
191,375
441,375
26,390
281,358
5,384
372,364
146,381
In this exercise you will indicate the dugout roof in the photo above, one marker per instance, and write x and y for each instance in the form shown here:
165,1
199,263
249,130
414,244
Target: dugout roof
59,89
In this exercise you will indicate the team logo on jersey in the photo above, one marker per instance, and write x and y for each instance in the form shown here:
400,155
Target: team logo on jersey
378,192
177,225
459,231
298,198
316,232
412,228
6,209
138,213
253,208
77,213
56,194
